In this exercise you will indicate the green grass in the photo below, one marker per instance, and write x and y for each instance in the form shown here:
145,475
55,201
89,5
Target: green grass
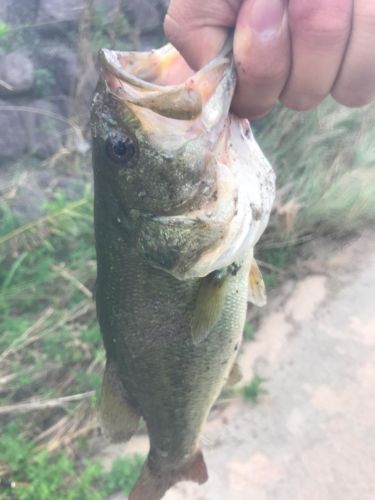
325,162
50,344
253,389
38,475
249,332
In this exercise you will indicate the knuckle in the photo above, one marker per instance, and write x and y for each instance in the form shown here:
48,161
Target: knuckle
170,27
325,22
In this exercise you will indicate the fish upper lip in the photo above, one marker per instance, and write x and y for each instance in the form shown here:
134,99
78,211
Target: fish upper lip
108,60
130,75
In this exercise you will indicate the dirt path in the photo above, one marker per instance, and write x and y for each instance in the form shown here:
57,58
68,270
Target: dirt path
312,436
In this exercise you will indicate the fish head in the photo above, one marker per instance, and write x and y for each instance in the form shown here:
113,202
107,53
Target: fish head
156,126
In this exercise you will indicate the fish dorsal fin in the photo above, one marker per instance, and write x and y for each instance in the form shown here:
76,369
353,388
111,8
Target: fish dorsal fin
209,304
257,289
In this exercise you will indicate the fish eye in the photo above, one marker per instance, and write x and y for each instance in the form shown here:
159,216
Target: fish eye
120,148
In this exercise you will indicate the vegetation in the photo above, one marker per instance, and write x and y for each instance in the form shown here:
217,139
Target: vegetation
324,160
249,331
44,82
34,474
253,389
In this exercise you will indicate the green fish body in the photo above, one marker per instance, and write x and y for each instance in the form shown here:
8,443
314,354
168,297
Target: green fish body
175,229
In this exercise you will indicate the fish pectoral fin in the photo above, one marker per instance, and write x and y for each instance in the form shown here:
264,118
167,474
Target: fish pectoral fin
257,289
235,375
152,485
209,304
118,417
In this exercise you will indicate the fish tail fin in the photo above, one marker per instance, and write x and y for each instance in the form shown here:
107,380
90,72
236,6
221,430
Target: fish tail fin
153,485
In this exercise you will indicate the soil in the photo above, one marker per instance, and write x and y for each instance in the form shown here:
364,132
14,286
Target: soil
312,435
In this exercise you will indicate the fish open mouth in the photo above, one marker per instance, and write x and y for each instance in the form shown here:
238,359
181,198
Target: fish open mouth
161,81
173,103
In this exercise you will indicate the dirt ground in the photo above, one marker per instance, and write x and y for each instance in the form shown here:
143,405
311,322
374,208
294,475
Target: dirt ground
312,435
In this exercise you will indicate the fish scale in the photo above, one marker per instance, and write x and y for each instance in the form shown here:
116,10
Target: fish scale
182,195
148,334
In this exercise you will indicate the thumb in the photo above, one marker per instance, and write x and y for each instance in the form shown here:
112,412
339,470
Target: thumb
199,28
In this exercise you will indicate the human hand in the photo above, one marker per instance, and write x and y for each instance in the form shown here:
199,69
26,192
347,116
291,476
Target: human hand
298,51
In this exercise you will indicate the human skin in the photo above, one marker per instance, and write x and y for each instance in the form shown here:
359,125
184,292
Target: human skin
296,51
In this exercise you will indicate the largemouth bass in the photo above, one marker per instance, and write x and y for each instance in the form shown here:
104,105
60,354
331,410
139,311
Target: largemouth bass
182,195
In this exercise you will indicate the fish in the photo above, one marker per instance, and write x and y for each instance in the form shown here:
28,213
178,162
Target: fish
182,193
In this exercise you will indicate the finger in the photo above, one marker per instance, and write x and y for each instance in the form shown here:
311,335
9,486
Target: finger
199,28
262,56
355,85
319,32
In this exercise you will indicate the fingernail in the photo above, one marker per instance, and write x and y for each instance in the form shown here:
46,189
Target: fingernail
266,17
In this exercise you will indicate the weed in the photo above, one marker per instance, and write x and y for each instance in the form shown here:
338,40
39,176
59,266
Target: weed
11,39
274,262
253,389
249,331
4,29
324,161
123,474
44,82
108,33
39,475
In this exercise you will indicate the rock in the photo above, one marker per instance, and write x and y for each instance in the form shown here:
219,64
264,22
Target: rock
13,137
45,133
62,62
108,8
153,40
20,11
17,72
144,15
3,10
56,11
30,198
37,187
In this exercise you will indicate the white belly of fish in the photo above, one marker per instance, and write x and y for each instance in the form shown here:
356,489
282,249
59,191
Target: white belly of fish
245,194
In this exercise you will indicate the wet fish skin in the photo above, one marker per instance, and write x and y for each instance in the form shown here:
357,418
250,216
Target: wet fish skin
156,228
145,316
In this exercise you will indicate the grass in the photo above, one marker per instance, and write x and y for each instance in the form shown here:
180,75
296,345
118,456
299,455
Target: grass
250,331
50,345
324,161
50,348
39,475
253,389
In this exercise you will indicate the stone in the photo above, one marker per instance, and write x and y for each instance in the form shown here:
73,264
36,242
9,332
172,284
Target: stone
144,15
17,73
45,132
3,10
13,137
56,11
30,197
20,12
62,62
